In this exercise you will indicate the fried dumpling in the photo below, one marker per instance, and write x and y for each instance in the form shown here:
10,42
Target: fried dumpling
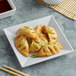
50,49
34,47
50,33
27,31
39,29
37,44
29,40
22,45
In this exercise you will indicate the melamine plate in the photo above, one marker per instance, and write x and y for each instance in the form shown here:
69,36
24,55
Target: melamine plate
49,21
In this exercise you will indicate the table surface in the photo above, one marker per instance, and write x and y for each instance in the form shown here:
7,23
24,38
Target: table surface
28,10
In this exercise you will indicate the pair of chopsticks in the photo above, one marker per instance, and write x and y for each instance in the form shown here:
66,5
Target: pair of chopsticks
13,71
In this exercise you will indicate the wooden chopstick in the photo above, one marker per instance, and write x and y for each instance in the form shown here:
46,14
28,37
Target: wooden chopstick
13,73
17,71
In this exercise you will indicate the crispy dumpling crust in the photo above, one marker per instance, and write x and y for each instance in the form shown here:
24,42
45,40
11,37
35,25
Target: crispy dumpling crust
49,49
39,29
50,33
34,47
29,41
27,31
38,43
22,45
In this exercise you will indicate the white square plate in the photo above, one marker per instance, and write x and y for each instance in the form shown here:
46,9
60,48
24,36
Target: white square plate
49,21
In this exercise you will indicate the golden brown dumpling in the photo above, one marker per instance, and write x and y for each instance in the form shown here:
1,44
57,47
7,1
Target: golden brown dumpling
37,44
50,33
22,45
27,31
29,41
50,49
39,29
